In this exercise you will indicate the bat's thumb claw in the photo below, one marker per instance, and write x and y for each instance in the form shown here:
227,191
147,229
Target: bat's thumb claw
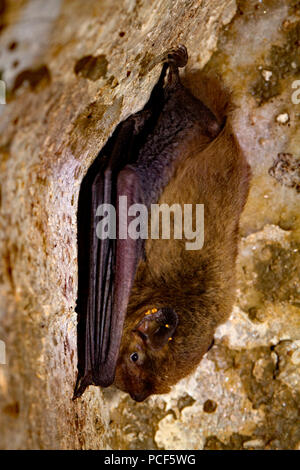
81,384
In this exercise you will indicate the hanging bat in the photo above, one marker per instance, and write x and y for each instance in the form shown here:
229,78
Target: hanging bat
148,309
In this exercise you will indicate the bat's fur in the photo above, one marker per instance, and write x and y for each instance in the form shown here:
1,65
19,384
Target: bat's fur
198,285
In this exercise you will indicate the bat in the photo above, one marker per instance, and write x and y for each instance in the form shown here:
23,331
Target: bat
148,308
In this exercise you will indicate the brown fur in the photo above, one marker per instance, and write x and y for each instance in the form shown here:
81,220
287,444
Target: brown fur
198,285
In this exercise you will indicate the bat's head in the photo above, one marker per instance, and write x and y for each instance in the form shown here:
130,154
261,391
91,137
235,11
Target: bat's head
142,367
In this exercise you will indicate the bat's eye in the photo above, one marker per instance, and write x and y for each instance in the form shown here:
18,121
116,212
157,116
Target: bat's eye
134,357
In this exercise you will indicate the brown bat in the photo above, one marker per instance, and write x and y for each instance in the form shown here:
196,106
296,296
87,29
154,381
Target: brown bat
148,309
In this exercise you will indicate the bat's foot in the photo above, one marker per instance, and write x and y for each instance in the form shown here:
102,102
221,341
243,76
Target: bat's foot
177,56
173,59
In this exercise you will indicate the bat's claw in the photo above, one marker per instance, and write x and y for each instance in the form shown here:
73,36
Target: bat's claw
173,59
177,56
81,384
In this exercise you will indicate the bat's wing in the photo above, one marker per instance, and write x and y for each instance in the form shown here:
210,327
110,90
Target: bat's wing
106,266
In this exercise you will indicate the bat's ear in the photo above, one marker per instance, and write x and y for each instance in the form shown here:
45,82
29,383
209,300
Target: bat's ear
158,328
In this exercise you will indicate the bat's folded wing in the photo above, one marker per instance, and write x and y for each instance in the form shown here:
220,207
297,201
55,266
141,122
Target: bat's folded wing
110,266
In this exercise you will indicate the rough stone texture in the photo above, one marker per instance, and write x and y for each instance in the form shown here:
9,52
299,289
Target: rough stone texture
73,70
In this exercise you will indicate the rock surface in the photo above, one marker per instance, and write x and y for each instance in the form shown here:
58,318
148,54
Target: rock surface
71,77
